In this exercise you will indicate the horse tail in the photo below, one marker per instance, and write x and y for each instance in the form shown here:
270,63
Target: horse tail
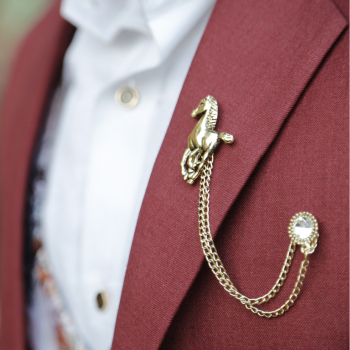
227,138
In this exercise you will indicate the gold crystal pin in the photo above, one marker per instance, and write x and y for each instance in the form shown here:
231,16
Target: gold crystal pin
203,139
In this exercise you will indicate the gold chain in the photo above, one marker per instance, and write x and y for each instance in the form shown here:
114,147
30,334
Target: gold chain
217,266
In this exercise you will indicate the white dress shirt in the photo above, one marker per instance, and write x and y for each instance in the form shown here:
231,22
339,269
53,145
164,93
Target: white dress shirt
102,155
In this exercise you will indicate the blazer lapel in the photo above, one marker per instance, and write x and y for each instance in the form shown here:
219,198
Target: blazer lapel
36,73
255,58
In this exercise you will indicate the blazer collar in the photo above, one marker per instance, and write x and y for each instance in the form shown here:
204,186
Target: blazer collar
255,58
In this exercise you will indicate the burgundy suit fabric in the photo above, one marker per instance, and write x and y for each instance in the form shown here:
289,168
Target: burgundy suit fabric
279,70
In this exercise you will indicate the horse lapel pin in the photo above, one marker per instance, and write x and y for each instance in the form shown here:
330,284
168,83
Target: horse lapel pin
203,139
303,228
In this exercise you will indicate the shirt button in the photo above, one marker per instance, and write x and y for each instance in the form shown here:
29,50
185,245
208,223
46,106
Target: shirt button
127,97
102,300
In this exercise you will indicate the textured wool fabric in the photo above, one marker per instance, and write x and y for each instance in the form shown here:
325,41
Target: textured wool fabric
279,70
306,168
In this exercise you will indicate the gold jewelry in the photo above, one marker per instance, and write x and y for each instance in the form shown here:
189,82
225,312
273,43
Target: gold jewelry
303,227
203,139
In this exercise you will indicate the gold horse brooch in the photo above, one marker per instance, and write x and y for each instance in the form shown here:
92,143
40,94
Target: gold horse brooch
198,159
203,139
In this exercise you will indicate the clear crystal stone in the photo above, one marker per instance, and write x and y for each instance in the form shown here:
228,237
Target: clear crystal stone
303,227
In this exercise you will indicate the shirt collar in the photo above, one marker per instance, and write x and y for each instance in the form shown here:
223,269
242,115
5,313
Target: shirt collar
167,21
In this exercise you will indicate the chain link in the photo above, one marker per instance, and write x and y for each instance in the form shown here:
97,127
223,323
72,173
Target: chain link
217,266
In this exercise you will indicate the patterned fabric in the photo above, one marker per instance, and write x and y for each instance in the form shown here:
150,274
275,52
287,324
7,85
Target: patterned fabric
67,337
37,270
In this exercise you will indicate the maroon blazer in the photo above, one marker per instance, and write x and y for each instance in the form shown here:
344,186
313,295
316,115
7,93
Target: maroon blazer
279,70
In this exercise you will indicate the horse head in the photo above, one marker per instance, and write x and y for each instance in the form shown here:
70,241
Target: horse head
204,105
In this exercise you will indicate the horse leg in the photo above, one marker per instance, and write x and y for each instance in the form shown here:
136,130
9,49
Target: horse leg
184,171
227,138
205,157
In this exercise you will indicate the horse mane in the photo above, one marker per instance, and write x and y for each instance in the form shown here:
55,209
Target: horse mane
213,113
